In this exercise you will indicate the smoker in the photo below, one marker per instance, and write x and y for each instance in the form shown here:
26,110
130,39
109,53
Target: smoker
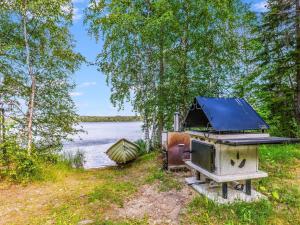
224,137
176,146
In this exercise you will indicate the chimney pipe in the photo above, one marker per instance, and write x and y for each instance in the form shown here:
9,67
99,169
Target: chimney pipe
176,121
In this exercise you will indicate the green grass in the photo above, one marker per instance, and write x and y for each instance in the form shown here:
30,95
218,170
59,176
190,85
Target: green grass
204,211
279,154
166,181
112,192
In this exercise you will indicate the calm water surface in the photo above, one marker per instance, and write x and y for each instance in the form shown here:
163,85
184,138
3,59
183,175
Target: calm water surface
98,137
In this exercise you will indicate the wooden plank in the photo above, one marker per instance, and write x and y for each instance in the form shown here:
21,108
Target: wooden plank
227,178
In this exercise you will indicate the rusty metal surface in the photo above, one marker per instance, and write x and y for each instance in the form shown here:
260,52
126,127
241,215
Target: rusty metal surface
178,147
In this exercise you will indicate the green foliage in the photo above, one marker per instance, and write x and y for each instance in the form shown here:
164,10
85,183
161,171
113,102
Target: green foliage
142,146
17,165
26,167
75,160
272,84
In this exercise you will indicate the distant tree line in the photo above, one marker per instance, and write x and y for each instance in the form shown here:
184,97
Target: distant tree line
109,118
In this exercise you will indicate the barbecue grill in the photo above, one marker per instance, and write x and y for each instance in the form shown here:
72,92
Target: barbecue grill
224,137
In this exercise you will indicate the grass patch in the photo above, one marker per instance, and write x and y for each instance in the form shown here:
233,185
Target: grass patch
167,181
204,211
279,154
279,160
112,192
57,172
64,215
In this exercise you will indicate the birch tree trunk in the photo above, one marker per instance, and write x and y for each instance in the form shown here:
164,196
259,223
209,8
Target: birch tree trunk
297,96
146,133
33,80
160,115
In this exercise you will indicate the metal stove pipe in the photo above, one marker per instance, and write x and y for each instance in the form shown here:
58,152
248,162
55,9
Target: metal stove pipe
176,122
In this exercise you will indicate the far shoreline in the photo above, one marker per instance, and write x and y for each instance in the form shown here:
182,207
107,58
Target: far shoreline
90,119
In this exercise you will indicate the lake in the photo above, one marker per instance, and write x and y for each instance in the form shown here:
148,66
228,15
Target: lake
98,137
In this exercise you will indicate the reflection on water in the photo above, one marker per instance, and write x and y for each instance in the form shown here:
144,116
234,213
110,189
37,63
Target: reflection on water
99,137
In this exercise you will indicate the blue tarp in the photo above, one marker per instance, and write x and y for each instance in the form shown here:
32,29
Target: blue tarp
224,114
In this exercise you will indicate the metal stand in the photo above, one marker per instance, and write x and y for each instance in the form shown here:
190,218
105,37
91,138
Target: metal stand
224,190
197,175
248,187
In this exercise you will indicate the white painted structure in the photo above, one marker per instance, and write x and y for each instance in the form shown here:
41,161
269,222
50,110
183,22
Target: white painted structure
225,153
234,164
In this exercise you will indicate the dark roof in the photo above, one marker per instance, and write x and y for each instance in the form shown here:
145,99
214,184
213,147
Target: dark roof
224,114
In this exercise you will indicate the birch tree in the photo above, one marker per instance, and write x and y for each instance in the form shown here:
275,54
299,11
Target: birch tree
160,54
42,59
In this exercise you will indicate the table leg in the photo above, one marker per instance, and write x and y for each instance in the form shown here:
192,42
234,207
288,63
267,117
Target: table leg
248,187
224,190
197,175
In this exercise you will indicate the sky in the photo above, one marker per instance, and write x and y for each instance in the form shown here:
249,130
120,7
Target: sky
92,95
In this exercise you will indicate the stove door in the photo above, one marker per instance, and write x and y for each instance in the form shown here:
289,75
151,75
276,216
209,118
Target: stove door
203,155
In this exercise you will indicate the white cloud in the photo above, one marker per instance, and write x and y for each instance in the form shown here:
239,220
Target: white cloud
260,6
77,14
75,94
79,1
87,84
66,8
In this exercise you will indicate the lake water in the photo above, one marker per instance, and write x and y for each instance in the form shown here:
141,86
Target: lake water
98,137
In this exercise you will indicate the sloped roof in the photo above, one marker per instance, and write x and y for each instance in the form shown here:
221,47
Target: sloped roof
224,114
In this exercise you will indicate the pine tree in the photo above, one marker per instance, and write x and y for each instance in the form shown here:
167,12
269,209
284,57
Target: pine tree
278,84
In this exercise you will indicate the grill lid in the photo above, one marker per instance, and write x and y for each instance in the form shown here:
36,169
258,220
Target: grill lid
224,114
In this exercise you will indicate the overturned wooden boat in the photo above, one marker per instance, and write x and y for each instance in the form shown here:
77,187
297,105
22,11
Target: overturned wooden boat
123,151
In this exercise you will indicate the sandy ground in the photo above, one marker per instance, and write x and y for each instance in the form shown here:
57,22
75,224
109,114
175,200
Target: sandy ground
20,203
158,207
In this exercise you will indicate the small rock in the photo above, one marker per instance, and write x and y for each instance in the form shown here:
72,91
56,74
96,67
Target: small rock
84,222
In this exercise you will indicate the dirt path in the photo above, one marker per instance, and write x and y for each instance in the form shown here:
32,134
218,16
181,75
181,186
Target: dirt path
158,207
34,203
